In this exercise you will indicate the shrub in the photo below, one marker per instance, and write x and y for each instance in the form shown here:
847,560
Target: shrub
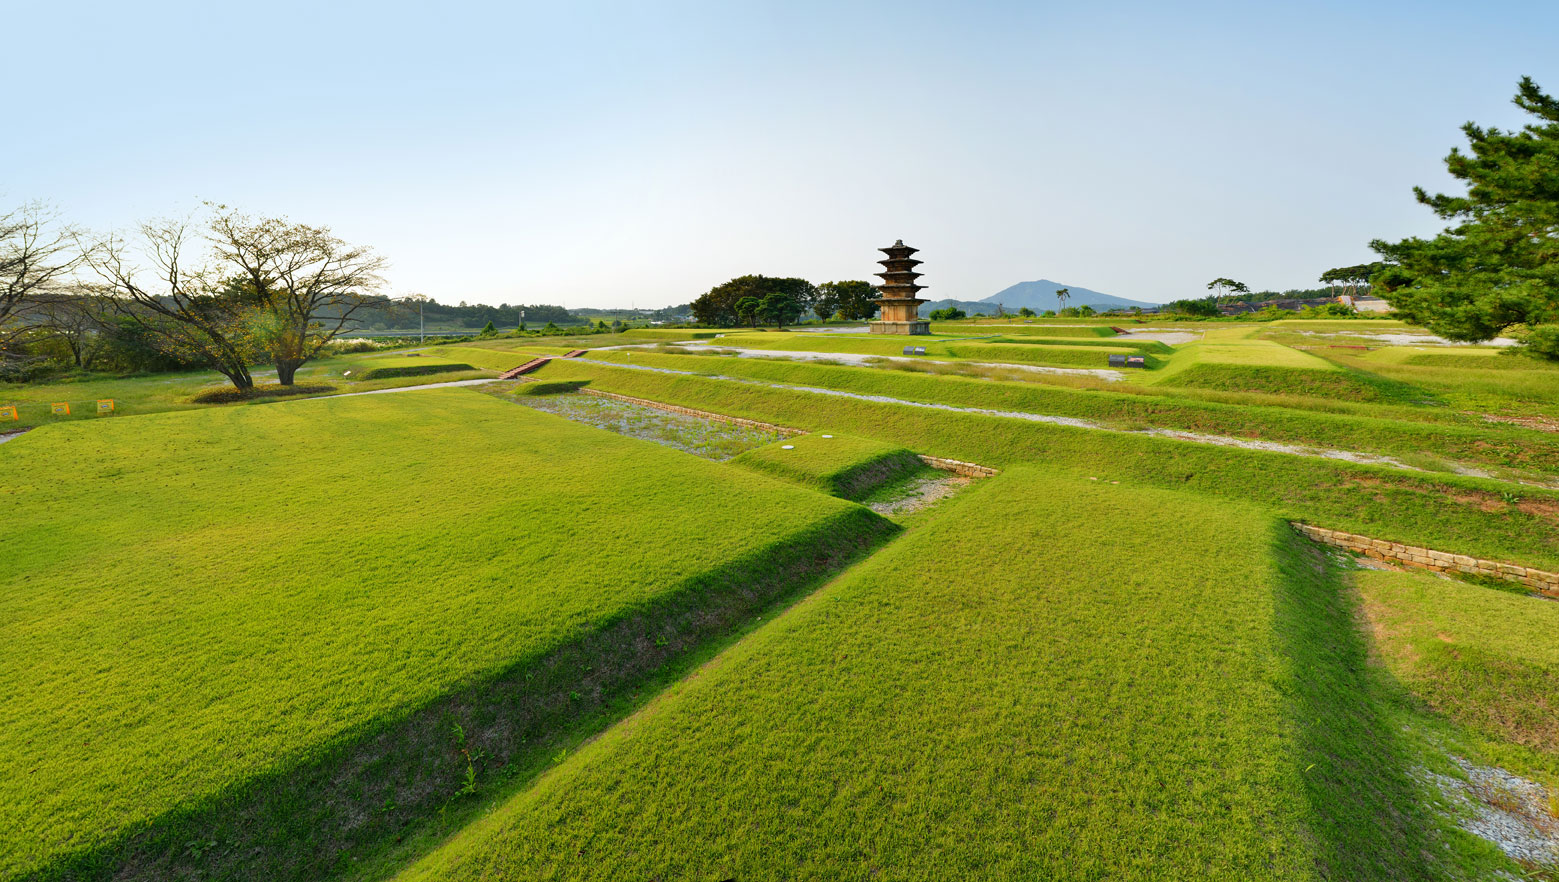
414,370
274,390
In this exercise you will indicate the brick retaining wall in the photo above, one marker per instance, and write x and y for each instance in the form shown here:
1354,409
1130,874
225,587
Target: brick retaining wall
967,469
1439,561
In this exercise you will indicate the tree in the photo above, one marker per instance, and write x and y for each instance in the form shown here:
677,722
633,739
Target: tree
1085,310
1497,266
302,284
853,300
1026,312
176,299
718,305
1204,307
780,307
489,330
826,304
1352,280
947,314
80,322
1061,296
1219,285
747,310
36,254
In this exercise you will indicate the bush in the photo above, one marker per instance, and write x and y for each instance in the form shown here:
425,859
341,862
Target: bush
353,346
414,370
947,314
273,390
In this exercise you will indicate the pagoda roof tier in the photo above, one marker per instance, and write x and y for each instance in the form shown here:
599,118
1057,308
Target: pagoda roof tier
901,262
898,278
898,249
889,290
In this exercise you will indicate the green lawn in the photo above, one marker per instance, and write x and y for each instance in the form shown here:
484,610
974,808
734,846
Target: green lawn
838,464
1466,515
1051,679
252,656
157,393
1486,658
1473,441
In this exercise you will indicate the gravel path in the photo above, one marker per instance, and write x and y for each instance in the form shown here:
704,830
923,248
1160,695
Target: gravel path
1505,809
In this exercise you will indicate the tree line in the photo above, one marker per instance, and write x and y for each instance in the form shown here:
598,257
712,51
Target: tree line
225,291
753,300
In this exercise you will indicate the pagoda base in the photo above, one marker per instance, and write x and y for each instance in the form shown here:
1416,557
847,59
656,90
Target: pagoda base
916,327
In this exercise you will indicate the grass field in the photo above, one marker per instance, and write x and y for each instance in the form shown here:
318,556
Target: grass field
467,634
261,655
1474,441
1485,658
1470,516
157,393
1166,705
841,465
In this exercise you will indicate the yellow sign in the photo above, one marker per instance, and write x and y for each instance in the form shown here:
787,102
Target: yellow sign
62,408
9,411
105,405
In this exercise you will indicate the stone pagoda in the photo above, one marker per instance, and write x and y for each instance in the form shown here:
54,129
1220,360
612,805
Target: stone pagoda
898,301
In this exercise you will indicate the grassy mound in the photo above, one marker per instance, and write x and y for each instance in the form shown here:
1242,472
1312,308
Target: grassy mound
1465,515
982,701
1153,346
1041,327
385,368
1483,443
208,678
842,465
1266,367
228,395
1483,657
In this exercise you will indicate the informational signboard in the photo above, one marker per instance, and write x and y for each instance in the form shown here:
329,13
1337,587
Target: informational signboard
1136,361
8,412
61,408
1117,361
105,405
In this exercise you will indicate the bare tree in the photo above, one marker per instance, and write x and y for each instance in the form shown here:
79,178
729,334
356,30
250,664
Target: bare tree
77,318
35,255
176,298
304,284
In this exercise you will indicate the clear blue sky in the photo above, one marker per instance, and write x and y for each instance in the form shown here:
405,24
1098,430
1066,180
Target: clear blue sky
607,154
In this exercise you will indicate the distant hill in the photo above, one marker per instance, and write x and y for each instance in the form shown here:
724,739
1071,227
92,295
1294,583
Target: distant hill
970,307
1040,295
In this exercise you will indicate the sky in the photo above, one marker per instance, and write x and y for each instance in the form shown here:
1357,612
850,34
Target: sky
638,154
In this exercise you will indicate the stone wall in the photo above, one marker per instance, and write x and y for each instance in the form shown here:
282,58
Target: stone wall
967,469
1541,581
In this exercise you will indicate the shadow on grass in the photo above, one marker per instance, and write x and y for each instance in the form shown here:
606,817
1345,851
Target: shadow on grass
1366,817
362,806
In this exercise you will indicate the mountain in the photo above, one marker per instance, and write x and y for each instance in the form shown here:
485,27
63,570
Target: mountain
1040,295
970,307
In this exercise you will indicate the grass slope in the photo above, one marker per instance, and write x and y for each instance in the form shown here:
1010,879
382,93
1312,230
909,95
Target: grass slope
1268,367
1051,679
1486,658
842,465
249,659
1479,443
1466,515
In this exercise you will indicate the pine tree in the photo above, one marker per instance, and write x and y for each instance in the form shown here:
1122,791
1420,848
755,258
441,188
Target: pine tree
1497,267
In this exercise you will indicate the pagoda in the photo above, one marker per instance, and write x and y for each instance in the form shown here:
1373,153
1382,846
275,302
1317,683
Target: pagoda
900,306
